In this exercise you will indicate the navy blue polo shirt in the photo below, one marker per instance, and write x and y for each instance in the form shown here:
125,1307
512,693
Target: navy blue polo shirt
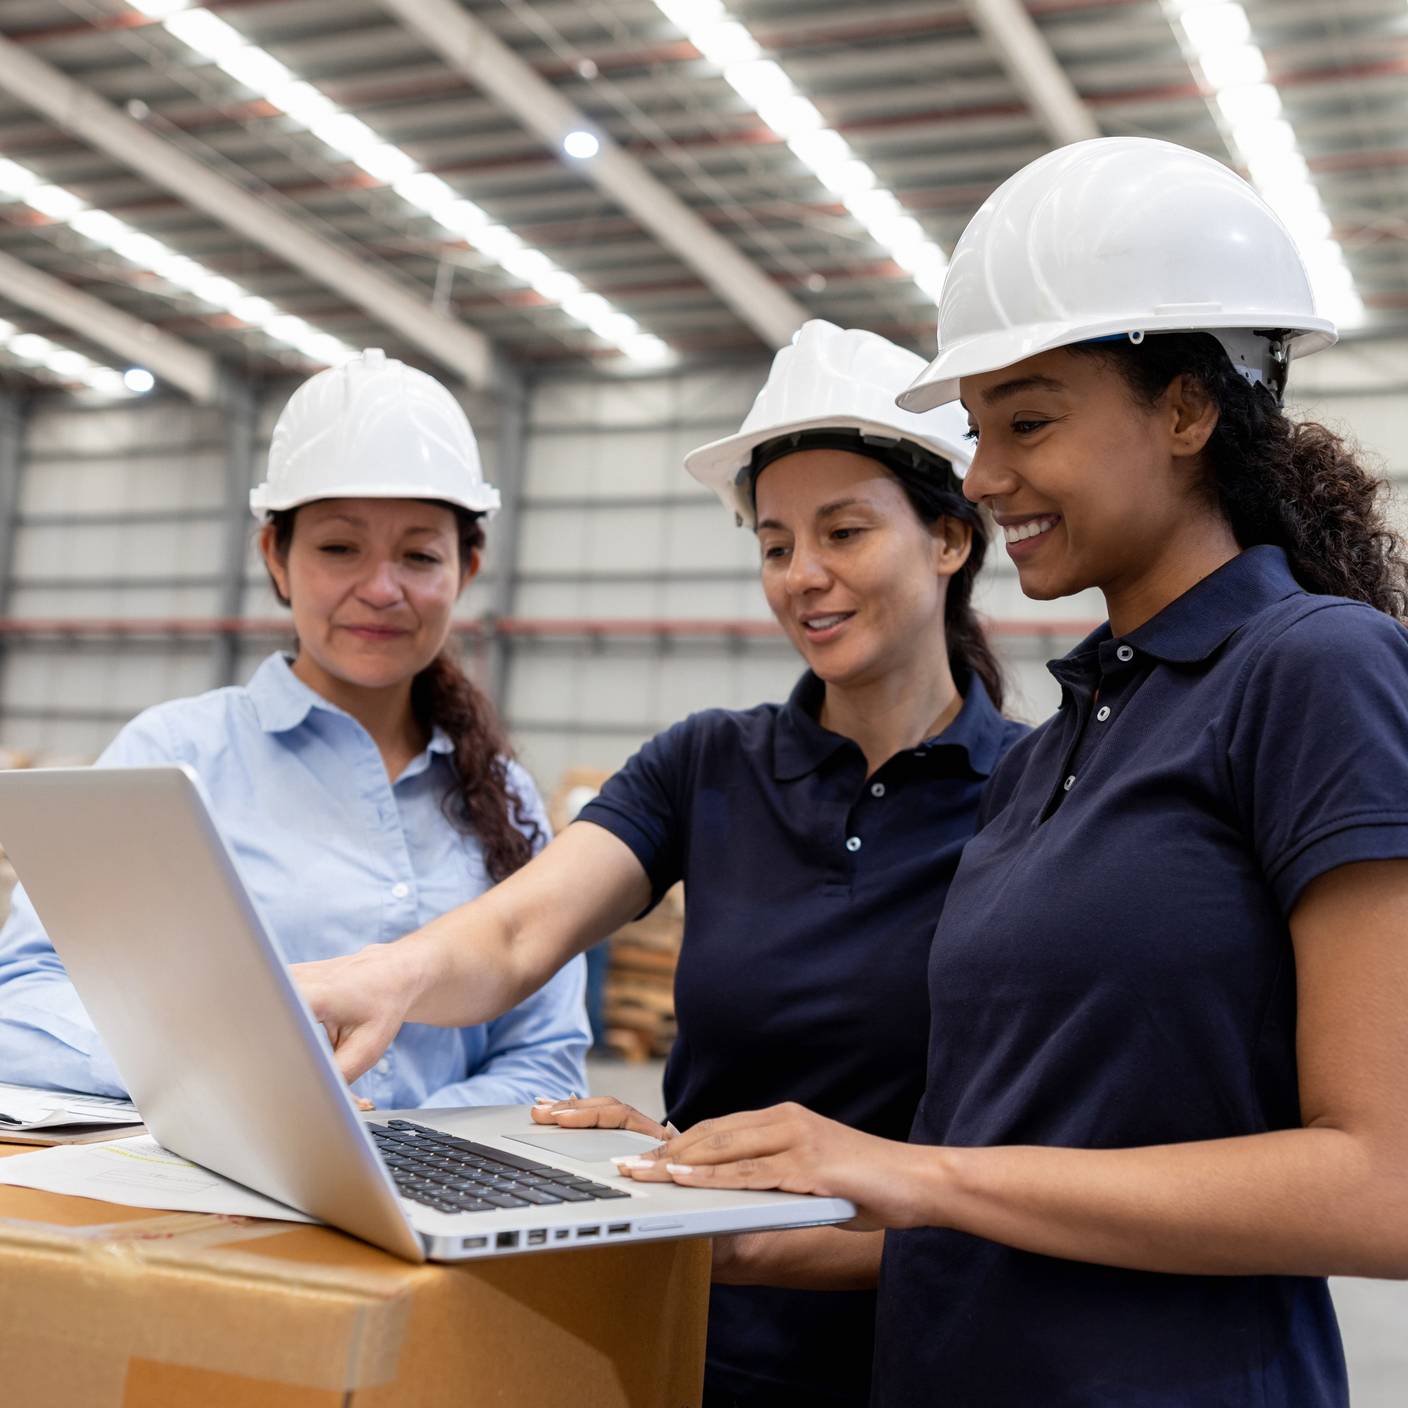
1114,968
810,894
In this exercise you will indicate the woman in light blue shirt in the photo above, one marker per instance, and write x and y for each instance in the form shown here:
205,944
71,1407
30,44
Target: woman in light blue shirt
363,784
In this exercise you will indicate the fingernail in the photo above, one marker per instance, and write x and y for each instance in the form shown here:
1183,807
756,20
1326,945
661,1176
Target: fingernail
632,1161
679,1168
545,1100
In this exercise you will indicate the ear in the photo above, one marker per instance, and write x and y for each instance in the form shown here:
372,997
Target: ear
278,569
1192,416
953,542
471,567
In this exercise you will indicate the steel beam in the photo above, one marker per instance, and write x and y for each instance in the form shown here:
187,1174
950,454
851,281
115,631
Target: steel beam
177,363
96,121
1032,67
471,48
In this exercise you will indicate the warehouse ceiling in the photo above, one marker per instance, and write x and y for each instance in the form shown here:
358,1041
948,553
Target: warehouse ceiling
702,232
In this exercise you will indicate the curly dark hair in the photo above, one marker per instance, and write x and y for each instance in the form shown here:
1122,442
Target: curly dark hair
932,489
1297,485
481,802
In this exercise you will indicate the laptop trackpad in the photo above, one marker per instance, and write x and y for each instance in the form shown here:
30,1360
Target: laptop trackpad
589,1145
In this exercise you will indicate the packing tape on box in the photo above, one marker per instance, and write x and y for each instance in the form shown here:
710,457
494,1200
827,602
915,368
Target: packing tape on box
182,1289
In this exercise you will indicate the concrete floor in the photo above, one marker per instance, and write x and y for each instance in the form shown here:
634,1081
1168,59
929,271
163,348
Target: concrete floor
1373,1314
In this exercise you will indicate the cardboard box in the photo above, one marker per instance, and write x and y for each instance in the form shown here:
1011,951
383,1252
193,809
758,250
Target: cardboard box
103,1306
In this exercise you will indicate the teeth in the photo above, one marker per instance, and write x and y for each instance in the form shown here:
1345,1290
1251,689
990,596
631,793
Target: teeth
823,623
1021,531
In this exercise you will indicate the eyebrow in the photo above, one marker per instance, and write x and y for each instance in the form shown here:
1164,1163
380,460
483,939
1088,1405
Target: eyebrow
1006,390
362,523
825,511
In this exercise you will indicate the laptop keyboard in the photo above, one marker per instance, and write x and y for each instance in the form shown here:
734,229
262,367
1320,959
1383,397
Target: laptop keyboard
451,1174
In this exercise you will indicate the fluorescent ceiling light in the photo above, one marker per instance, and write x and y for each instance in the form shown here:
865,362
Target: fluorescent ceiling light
54,201
1219,41
1211,27
353,140
765,86
724,42
138,380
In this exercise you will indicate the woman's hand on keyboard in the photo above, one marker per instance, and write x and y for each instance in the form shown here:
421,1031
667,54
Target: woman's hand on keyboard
597,1112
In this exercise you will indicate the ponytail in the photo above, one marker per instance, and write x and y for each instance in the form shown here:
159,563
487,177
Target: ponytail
480,801
1296,485
933,494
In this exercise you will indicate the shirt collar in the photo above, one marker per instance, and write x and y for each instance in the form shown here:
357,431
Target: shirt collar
801,745
282,702
1190,628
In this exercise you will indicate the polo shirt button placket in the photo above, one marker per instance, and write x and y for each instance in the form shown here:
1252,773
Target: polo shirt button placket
1125,653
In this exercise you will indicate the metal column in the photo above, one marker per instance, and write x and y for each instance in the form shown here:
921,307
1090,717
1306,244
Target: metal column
12,418
504,533
241,418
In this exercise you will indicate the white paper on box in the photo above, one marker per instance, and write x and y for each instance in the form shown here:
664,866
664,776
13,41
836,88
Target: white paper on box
139,1173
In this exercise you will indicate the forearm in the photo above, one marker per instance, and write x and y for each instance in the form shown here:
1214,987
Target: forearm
1312,1202
802,1258
485,957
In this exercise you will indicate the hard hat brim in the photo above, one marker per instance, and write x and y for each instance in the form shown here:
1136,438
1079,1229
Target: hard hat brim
938,383
262,503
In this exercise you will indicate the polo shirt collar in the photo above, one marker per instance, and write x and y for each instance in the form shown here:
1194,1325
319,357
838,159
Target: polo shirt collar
1189,629
282,702
801,745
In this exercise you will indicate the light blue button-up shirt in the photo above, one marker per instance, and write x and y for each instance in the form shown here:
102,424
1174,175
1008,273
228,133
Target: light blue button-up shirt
335,856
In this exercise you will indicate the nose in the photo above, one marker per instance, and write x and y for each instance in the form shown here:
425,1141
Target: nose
987,478
806,572
380,586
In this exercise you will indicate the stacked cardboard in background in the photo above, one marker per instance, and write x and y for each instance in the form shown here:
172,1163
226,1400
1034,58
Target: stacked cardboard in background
639,1009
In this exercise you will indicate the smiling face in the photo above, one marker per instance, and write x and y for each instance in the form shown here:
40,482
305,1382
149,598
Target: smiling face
1090,487
852,574
372,584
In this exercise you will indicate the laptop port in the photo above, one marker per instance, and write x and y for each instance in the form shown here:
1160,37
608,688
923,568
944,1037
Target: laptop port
589,1231
562,1234
619,1229
537,1236
505,1240
469,1243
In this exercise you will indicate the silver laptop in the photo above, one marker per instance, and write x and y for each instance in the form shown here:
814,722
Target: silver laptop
146,909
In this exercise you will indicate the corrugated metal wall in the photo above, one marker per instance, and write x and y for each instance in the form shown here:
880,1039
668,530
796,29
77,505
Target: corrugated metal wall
126,514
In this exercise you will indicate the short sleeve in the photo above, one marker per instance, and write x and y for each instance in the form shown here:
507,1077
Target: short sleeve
1319,748
643,805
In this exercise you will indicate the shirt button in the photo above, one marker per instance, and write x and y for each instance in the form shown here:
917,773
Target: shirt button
853,843
1104,713
1125,652
1069,783
400,890
877,789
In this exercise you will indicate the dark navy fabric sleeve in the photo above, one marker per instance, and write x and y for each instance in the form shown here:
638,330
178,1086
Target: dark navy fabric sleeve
1318,750
643,806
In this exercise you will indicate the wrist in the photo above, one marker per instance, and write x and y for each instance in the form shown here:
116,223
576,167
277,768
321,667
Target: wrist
929,1179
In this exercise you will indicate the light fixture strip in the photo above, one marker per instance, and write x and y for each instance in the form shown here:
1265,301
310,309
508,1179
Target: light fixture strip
50,358
765,87
1217,37
187,275
352,140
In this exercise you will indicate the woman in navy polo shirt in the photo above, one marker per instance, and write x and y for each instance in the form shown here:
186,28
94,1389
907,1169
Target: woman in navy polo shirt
1168,1071
816,839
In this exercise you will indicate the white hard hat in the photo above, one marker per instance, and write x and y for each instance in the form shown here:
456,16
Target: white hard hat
373,428
830,378
1121,235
